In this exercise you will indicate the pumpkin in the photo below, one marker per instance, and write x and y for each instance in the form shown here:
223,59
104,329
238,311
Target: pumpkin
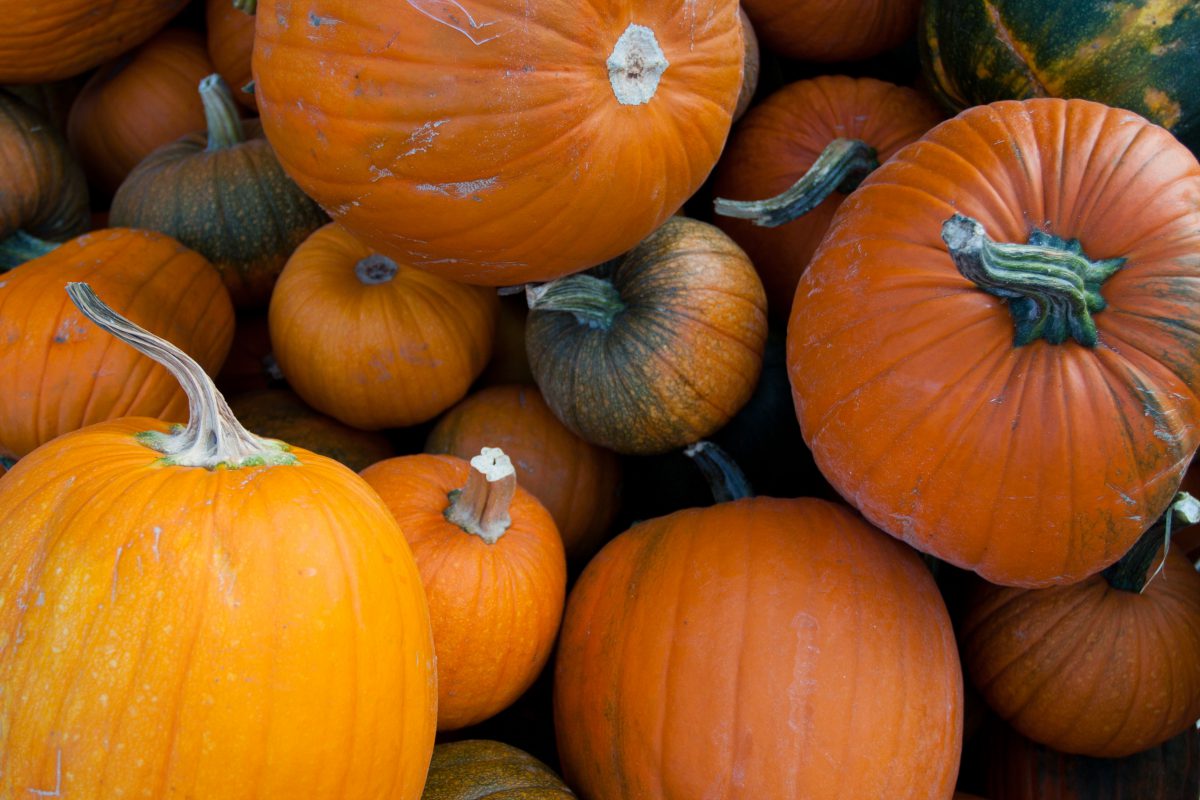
280,414
832,30
508,363
512,143
757,648
48,41
751,66
250,365
230,40
1132,54
224,195
577,482
493,568
136,104
1026,429
52,100
477,769
372,342
1022,770
850,125
1106,667
45,193
198,611
63,374
655,350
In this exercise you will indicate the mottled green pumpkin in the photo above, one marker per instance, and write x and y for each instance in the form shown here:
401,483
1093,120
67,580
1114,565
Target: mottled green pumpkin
224,195
483,770
1141,55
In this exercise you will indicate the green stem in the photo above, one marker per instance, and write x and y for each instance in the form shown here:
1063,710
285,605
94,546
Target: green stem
594,301
221,114
1130,574
1051,287
246,6
21,247
725,478
841,167
482,506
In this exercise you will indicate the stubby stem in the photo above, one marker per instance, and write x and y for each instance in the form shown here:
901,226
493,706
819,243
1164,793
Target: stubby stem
725,478
220,114
21,247
1051,287
375,269
841,167
246,6
594,301
213,437
1132,572
482,506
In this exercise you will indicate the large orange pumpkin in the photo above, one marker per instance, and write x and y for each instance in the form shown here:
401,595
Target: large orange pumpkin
927,397
198,612
832,30
503,141
759,648
493,568
62,373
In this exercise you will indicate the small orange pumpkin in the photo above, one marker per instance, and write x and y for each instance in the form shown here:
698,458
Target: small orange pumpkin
230,42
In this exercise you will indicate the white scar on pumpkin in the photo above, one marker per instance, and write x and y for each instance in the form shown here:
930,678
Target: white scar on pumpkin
453,15
459,190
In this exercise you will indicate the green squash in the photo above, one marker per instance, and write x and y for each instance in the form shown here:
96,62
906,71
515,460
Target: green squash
479,769
1141,55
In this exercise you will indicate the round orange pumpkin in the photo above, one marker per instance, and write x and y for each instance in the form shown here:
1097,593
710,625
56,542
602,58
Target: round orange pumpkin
230,42
200,612
576,481
493,568
759,648
1025,427
503,142
372,342
832,30
62,373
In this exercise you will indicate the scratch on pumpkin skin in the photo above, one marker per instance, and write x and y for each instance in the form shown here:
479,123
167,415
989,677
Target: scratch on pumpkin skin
1005,37
57,790
461,189
116,573
448,12
1126,499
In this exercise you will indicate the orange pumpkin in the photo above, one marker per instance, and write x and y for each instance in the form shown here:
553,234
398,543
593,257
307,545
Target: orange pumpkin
372,342
250,365
63,373
136,104
507,143
832,30
576,481
751,66
509,363
759,648
230,41
493,568
200,612
926,396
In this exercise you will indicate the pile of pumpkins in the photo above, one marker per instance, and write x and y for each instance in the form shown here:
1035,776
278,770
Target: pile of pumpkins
516,305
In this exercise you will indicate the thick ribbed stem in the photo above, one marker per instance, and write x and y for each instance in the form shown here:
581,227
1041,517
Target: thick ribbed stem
20,247
841,167
481,507
725,478
1051,287
375,269
594,301
1132,572
213,437
246,6
221,114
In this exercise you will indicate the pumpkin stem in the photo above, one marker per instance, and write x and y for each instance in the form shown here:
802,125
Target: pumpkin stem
213,437
221,114
1051,287
21,247
595,302
246,6
725,478
1130,573
375,269
841,167
481,507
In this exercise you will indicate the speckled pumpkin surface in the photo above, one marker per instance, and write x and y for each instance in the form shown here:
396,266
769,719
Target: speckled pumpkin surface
478,769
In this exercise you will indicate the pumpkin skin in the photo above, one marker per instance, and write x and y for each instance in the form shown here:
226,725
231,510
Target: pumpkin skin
494,149
757,648
45,192
52,100
751,66
508,363
672,367
280,414
778,142
576,481
63,373
136,104
478,769
832,30
494,607
1131,54
1032,465
376,356
230,41
46,41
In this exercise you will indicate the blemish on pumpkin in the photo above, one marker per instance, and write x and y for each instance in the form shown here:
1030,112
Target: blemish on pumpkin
1160,105
116,572
453,15
460,190
57,790
1017,49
